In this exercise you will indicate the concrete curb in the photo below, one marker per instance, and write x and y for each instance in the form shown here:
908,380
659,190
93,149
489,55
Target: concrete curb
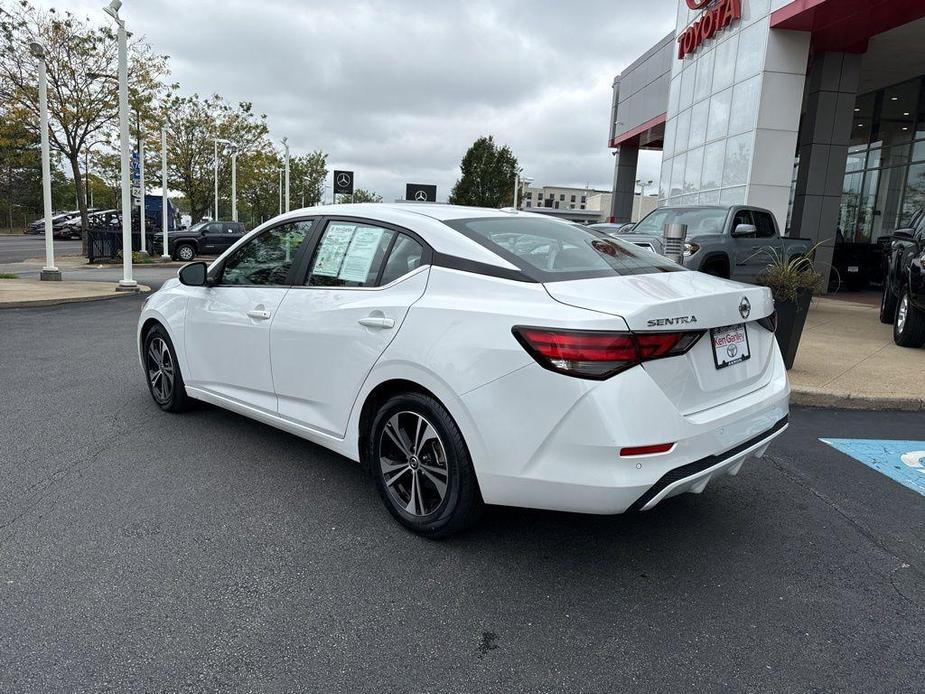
35,303
812,397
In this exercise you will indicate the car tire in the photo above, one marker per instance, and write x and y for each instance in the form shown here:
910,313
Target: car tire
421,466
162,371
909,324
185,252
888,303
716,267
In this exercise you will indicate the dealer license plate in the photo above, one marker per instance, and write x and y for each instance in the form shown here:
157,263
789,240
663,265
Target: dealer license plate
730,345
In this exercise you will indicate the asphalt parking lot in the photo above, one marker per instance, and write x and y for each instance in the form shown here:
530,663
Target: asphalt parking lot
141,551
15,248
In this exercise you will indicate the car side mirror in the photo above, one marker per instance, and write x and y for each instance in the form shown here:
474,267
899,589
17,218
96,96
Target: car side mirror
193,274
744,230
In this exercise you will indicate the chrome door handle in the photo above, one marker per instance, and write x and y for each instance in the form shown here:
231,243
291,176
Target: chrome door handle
258,314
377,322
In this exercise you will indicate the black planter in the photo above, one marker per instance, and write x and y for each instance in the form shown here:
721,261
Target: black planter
791,316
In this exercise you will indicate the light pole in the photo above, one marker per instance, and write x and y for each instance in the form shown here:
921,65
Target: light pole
126,283
234,184
165,253
49,272
280,191
215,174
286,146
142,208
642,186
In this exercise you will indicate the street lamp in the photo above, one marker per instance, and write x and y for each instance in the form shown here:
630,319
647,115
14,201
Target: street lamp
286,147
280,191
234,184
518,182
126,283
215,174
165,253
49,272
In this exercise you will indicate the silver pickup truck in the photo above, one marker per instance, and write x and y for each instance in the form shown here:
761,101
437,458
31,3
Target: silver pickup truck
732,242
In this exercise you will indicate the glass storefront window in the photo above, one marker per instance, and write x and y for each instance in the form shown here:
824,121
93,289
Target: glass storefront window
718,121
897,115
889,194
732,196
856,161
725,63
681,141
873,159
751,50
915,193
863,119
850,202
687,87
692,170
677,174
738,160
698,133
704,76
744,112
713,165
918,150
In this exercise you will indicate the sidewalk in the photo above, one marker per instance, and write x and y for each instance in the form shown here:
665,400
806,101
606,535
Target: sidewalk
847,359
23,293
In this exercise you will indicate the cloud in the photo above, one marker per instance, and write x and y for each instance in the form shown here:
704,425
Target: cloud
398,90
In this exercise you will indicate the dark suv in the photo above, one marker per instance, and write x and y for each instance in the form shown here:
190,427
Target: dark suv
903,302
205,238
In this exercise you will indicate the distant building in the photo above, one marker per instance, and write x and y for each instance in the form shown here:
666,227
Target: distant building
602,203
556,197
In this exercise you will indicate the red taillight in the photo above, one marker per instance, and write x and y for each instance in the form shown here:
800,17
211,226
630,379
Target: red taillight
646,450
599,355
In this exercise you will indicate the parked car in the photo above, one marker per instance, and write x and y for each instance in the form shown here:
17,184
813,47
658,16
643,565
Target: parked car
471,356
731,242
71,228
903,298
205,238
57,220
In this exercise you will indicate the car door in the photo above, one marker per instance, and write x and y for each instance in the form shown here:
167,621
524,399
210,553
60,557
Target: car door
231,232
212,238
362,278
917,266
228,324
750,254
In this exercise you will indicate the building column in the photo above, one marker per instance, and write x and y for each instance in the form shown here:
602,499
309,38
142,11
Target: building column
831,90
624,182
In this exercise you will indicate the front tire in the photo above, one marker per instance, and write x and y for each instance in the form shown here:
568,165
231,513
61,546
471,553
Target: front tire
185,252
909,325
888,304
421,466
162,371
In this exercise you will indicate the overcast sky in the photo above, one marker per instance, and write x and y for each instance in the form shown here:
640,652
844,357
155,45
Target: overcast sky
397,90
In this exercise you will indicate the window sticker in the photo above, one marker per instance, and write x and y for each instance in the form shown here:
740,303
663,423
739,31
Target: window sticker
333,248
360,254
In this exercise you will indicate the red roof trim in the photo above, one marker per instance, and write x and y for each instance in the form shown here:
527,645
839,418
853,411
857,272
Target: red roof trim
637,131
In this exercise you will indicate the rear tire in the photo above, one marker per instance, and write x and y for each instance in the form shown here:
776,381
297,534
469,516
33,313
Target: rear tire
421,466
162,371
888,304
909,325
185,252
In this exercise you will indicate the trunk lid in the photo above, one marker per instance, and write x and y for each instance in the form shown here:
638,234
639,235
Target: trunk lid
685,301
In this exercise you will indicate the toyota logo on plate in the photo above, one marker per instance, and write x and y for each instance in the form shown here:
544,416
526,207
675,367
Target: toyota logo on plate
745,307
343,180
421,196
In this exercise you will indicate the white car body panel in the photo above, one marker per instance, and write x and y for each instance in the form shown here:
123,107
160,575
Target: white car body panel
537,438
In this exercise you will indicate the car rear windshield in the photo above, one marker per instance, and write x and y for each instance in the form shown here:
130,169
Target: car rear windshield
700,221
549,250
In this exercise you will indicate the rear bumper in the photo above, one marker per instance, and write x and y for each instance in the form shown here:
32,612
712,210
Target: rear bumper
554,442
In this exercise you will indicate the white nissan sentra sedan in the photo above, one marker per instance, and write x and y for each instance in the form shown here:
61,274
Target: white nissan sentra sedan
472,356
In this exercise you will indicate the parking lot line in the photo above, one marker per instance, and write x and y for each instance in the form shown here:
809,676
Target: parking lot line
902,461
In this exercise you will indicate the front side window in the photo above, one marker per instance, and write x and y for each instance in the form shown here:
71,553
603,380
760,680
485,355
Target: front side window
700,221
266,259
349,254
552,250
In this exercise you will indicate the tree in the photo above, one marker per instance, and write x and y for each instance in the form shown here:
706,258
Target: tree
20,169
80,60
487,176
306,178
360,195
192,124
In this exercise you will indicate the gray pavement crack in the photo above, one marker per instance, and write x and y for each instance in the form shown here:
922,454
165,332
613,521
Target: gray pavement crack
860,527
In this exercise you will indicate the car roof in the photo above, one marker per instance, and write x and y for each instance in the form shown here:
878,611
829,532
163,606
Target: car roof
425,219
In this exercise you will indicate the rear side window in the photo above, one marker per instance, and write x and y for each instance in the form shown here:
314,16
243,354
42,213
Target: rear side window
406,255
349,254
548,250
765,225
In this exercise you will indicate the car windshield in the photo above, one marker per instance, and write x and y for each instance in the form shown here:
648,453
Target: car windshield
549,250
702,220
197,227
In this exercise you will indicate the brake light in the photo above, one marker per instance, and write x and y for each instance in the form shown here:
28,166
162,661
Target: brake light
599,355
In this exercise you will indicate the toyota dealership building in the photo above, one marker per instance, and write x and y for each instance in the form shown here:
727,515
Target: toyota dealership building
814,109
